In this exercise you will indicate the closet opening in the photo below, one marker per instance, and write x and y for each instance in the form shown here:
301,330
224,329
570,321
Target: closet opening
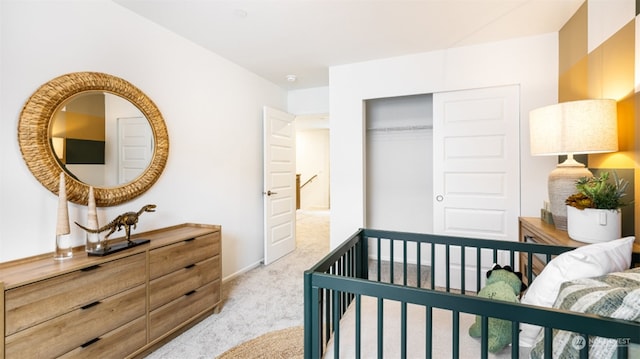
399,163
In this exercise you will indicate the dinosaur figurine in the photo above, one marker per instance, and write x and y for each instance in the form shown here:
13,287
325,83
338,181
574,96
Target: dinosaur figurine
125,220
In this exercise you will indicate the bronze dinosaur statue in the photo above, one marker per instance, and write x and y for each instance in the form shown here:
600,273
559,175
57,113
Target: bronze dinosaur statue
125,220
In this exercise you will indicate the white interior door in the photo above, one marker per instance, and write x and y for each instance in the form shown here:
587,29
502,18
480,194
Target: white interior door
135,147
279,184
476,167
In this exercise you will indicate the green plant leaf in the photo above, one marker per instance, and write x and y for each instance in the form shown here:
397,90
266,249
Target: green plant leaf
599,192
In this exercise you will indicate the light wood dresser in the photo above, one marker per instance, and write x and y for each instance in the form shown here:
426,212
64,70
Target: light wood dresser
121,305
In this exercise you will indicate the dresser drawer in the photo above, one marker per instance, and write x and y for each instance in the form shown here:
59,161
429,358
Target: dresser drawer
173,285
167,259
35,303
176,313
118,343
71,330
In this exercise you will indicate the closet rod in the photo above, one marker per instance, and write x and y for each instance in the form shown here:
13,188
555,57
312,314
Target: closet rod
400,128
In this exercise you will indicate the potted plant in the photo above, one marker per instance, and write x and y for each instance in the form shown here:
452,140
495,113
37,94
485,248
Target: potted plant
593,212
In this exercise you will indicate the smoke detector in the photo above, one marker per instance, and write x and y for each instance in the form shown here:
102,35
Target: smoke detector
241,13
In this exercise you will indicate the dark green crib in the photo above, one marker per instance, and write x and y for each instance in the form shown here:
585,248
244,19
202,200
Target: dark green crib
342,277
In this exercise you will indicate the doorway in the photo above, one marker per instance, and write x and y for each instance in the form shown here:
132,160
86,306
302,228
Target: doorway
312,162
399,176
292,144
312,169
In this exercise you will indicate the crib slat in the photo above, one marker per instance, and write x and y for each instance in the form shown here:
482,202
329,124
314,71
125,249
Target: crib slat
456,334
349,257
530,267
379,259
584,353
515,339
548,342
358,326
447,267
623,351
463,267
428,349
351,272
404,262
391,258
326,307
336,326
478,268
380,326
403,330
512,260
484,338
362,262
419,264
316,323
433,267
338,301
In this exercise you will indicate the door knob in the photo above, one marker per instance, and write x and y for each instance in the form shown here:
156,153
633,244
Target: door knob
269,193
439,198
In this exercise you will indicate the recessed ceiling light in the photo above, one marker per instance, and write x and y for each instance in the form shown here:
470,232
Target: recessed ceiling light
292,78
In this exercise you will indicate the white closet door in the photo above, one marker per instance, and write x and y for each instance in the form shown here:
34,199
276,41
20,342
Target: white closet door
476,167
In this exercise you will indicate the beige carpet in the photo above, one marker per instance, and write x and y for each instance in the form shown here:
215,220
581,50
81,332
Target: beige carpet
280,344
261,301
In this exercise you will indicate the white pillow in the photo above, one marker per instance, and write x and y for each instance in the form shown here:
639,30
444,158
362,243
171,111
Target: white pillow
583,262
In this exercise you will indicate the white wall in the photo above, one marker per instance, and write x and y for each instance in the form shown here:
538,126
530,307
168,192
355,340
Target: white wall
605,18
212,108
309,101
530,62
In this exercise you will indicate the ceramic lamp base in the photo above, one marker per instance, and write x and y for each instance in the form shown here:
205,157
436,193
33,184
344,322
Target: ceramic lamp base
562,184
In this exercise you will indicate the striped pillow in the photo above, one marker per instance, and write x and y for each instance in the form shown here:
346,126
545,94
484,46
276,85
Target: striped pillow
615,295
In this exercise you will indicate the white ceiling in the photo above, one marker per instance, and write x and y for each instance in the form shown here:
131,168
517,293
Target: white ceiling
305,37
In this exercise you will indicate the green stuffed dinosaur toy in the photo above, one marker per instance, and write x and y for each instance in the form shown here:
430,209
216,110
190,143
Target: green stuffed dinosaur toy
502,284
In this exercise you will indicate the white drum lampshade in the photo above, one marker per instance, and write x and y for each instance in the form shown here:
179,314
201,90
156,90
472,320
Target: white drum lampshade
568,128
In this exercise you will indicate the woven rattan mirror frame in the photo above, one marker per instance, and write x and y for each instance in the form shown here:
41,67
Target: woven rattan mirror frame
33,136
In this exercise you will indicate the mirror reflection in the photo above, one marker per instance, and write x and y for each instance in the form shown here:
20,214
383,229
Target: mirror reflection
101,139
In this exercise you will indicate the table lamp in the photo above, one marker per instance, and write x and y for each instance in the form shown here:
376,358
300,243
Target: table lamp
568,128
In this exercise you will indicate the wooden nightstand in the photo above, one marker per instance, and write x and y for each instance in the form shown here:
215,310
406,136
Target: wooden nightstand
534,230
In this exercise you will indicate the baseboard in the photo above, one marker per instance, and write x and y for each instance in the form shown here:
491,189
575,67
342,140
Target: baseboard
241,271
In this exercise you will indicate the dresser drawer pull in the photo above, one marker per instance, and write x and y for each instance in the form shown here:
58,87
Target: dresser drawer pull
90,305
90,268
190,266
89,342
190,239
189,293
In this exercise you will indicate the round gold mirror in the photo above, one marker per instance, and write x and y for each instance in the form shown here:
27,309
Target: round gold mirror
60,131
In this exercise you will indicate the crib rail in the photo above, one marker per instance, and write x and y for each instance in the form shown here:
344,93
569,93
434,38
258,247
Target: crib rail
342,278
